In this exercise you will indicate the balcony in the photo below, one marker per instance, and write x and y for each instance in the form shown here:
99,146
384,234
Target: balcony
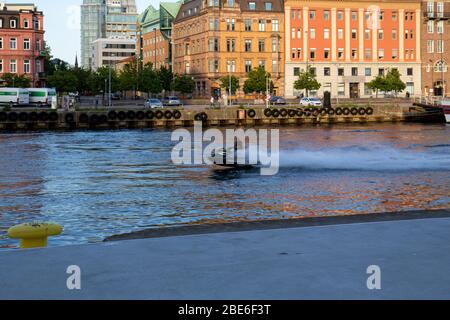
436,15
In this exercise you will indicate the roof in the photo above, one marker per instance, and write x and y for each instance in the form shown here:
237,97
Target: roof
172,7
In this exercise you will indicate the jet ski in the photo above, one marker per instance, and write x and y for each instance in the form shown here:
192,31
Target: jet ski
219,159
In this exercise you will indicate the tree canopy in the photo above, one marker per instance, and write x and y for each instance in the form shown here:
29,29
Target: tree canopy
225,83
307,81
257,81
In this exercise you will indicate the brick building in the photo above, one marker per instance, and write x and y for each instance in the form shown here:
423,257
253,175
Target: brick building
154,30
217,38
348,43
435,58
22,42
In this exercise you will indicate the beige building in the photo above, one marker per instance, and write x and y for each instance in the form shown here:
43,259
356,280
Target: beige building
109,51
213,39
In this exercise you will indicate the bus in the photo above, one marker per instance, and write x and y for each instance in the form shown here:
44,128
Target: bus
14,96
42,96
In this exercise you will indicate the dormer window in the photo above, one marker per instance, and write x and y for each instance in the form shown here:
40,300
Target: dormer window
252,5
1,23
268,6
13,23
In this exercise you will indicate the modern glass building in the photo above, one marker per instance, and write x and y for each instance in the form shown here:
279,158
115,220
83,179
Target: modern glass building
105,19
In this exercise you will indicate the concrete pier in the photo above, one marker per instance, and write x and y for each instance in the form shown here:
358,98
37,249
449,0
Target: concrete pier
319,262
23,119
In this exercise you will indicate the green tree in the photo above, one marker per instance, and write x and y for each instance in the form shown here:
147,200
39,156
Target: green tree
16,81
99,81
166,77
257,81
307,81
183,84
128,77
378,84
83,76
63,81
149,80
394,82
225,83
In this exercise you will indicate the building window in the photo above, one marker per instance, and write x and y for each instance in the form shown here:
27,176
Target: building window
231,66
368,72
275,25
230,24
313,71
1,43
394,54
430,26
248,25
354,71
326,71
26,66
430,46
354,16
26,44
326,53
213,66
354,54
274,45
1,66
248,45
262,64
261,45
248,66
394,34
368,54
326,15
341,72
293,33
340,53
26,23
312,54
312,14
367,90
340,34
262,25
380,34
13,23
293,53
268,6
13,66
312,33
340,15
296,71
341,89
1,23
380,54
440,66
367,34
381,72
439,46
354,34
409,71
430,9
299,33
326,34
440,27
13,43
230,3
274,66
394,15
231,45
440,9
252,6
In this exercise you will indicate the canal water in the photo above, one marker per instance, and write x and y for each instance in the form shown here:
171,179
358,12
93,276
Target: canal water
103,183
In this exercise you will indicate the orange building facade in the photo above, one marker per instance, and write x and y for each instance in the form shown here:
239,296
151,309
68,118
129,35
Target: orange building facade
349,43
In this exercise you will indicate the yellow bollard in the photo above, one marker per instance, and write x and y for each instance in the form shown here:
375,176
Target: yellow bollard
34,234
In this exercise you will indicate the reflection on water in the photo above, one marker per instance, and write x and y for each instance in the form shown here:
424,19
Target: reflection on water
101,183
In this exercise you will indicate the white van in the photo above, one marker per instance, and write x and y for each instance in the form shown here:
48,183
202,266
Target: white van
14,96
42,96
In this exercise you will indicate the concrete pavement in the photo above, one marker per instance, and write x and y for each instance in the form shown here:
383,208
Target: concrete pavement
320,262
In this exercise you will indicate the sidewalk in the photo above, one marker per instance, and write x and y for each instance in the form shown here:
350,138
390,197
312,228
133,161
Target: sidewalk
320,262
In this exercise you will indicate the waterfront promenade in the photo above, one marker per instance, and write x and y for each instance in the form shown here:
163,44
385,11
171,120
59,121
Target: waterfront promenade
318,262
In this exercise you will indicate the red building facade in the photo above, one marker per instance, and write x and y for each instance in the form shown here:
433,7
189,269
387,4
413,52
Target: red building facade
22,42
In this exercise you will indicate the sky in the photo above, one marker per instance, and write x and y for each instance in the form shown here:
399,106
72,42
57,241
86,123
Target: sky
62,24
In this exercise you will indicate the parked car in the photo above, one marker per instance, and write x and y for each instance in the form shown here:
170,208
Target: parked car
310,102
277,100
153,103
116,96
171,101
